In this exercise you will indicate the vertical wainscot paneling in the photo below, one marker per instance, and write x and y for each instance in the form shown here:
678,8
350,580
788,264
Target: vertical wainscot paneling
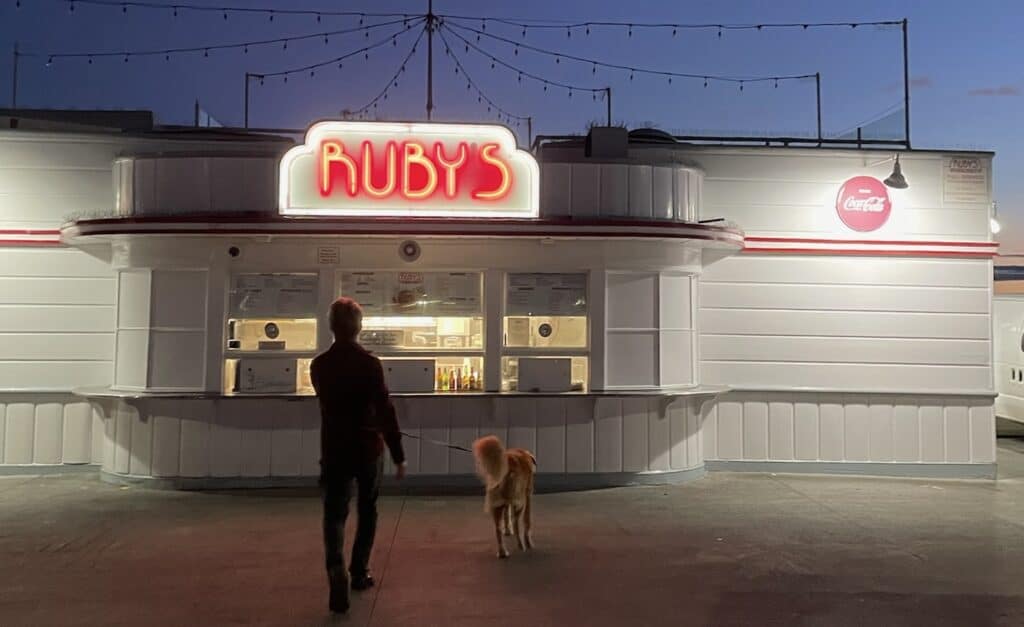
634,434
195,438
48,433
608,434
466,415
659,434
286,440
755,429
806,428
880,431
76,435
579,434
550,434
781,437
19,441
166,437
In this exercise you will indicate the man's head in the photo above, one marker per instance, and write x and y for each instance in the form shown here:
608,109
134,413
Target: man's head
346,319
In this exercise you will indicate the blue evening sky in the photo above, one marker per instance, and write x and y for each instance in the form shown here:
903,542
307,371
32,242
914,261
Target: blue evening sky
965,61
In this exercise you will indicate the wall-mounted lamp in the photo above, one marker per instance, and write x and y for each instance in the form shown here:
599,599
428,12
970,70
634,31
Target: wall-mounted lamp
896,180
993,223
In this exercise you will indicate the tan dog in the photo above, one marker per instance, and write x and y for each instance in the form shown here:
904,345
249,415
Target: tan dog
508,477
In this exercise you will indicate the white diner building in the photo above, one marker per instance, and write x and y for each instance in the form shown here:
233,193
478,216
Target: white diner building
630,307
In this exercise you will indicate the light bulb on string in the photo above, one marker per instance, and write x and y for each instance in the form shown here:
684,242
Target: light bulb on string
71,7
673,31
261,81
568,32
90,60
126,58
285,44
175,11
467,47
341,65
394,41
317,18
206,52
286,78
167,57
741,85
776,83
520,78
124,8
515,51
570,93
271,16
524,32
588,29
366,34
492,65
545,85
366,56
49,61
631,75
326,41
245,49
705,81
669,80
630,30
225,16
483,24
593,70
558,60
719,32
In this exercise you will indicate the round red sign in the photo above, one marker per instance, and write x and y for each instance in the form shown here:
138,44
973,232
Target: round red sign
863,203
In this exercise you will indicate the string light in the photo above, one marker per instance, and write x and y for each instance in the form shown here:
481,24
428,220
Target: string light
284,41
456,30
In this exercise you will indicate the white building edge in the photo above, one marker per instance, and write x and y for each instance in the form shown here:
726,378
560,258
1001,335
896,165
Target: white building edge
783,341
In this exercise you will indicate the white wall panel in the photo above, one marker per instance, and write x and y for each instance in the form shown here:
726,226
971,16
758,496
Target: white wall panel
465,420
906,431
556,188
641,191
983,434
747,270
631,359
59,263
166,438
632,300
48,433
781,434
579,435
608,434
141,441
958,436
256,422
551,418
286,443
663,195
57,346
755,430
53,375
433,418
586,189
124,418
806,421
845,350
310,420
880,431
863,428
19,434
659,437
844,298
226,440
132,358
178,299
177,360
195,439
634,434
614,190
843,324
884,377
56,290
56,318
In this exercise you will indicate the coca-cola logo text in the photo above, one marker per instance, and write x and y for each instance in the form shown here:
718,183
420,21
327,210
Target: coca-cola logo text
863,203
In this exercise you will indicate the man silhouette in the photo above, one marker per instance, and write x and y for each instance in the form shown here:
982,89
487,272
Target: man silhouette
356,420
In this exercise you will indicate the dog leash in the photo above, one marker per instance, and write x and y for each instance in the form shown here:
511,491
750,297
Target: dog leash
437,442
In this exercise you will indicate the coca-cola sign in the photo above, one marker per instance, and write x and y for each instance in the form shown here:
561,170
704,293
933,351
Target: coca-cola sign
863,203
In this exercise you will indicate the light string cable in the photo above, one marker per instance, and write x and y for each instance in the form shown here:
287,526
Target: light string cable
520,71
393,82
595,63
365,50
225,10
244,45
569,26
471,84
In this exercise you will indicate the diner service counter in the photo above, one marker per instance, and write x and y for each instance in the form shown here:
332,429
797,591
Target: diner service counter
581,439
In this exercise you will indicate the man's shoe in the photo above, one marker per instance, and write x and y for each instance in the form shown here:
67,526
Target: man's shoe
338,600
363,582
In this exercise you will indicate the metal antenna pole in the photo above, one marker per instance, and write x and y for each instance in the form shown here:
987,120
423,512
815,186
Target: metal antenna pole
14,79
817,89
430,58
906,86
529,131
608,103
248,76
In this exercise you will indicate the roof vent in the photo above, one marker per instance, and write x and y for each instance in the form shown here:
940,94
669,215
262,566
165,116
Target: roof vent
650,136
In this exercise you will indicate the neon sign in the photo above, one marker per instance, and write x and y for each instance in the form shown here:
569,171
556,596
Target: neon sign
415,169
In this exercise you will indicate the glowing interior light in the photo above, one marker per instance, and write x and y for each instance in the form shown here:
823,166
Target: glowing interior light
414,156
390,170
995,226
398,322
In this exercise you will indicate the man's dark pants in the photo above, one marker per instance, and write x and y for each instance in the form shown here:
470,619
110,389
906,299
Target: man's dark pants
336,488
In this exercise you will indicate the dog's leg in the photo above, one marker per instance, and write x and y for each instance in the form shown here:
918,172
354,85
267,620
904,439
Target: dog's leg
499,513
528,519
517,522
506,521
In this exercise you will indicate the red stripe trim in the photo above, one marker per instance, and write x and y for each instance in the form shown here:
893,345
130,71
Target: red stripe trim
30,231
30,242
901,253
798,240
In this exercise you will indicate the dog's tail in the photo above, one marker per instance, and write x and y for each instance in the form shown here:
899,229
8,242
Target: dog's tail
491,464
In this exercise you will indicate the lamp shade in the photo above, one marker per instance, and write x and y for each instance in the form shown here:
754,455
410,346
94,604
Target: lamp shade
896,180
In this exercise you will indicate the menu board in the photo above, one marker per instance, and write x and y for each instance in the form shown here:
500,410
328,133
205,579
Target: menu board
414,293
273,295
542,294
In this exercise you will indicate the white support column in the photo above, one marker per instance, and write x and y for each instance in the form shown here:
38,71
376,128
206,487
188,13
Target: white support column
494,312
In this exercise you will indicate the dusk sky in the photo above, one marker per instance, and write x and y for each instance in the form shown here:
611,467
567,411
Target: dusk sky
964,60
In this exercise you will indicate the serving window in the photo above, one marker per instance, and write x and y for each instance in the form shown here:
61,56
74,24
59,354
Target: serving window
545,332
271,332
427,327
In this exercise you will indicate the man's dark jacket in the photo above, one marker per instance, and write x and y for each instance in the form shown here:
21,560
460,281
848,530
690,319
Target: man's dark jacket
356,415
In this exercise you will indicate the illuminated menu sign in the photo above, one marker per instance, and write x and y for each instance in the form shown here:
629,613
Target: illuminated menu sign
408,169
